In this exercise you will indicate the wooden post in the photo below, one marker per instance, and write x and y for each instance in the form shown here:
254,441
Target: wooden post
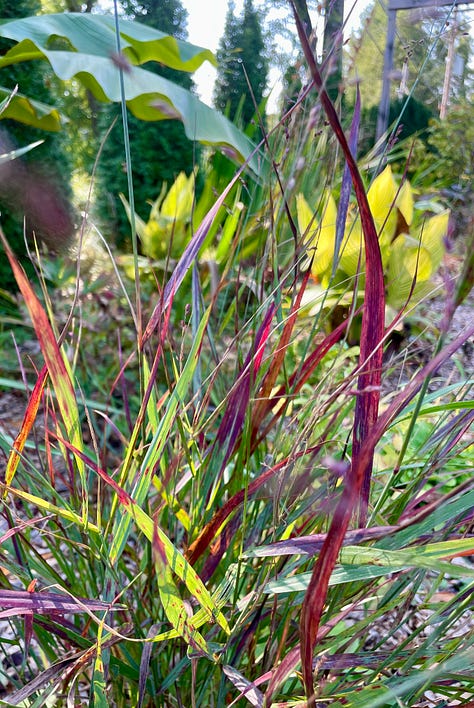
449,68
384,107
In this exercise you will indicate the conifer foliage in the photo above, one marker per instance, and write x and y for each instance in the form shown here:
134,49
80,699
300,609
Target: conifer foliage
242,61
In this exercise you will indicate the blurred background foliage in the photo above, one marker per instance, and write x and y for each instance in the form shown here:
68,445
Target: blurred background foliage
257,39
44,172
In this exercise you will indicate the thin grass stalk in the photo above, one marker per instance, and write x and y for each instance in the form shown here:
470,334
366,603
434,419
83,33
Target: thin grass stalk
128,164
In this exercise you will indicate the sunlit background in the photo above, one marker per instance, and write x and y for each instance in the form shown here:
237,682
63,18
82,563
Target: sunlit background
206,21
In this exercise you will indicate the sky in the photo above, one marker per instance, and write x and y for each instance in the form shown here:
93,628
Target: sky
206,20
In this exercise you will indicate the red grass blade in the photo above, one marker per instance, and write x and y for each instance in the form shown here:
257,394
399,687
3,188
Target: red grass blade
261,406
317,590
28,421
52,355
368,385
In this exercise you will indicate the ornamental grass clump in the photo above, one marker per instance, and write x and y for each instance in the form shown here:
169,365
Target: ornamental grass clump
252,513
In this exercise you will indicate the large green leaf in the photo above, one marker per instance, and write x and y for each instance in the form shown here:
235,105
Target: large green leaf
83,46
26,110
95,35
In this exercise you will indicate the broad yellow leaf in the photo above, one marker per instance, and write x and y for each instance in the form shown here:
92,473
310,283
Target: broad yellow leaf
178,203
409,270
320,236
432,236
381,196
352,258
405,202
324,239
304,216
418,263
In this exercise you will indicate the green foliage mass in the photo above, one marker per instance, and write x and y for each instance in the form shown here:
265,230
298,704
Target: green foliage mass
412,116
241,57
36,185
452,141
447,165
160,150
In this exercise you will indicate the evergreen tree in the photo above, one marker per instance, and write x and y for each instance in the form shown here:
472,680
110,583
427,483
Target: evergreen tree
241,52
34,189
160,150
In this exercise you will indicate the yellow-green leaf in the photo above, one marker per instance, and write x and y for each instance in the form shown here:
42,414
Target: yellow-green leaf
304,215
45,505
178,203
405,202
352,249
432,236
179,565
319,236
177,612
325,238
418,263
381,196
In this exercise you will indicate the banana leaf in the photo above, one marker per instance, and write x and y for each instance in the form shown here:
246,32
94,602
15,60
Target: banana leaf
83,47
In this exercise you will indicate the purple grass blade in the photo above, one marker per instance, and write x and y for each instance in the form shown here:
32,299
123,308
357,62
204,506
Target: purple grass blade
28,630
24,602
456,429
346,185
247,688
239,399
123,384
196,318
145,663
357,487
312,544
53,673
189,257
